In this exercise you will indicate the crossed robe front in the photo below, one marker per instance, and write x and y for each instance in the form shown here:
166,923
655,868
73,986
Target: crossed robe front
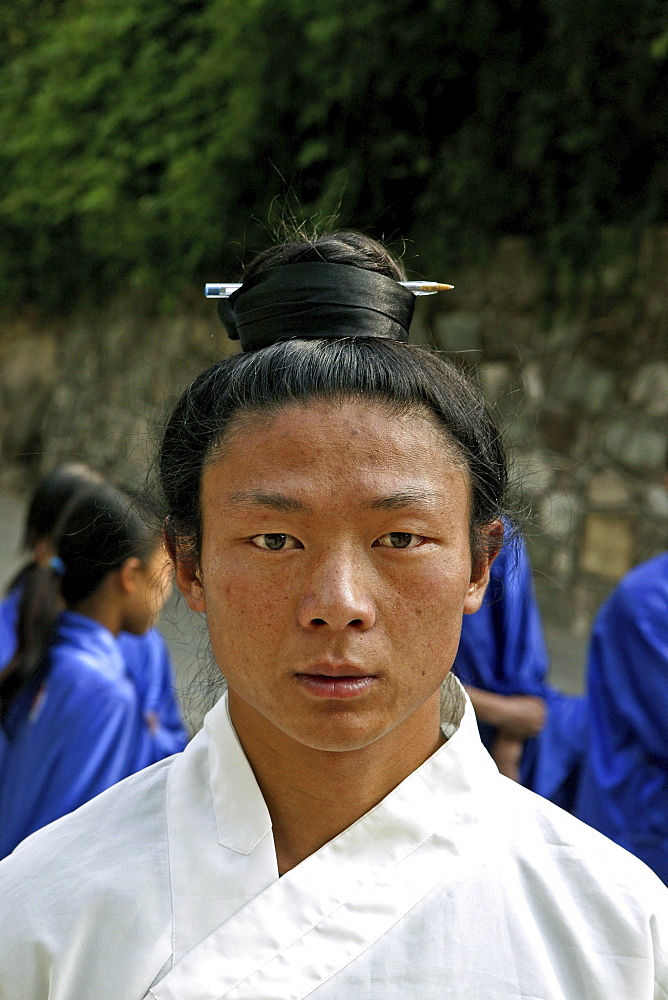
458,885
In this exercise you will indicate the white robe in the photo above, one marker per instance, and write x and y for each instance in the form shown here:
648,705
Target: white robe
459,885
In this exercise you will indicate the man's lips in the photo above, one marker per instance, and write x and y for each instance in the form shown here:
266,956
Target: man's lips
338,669
335,680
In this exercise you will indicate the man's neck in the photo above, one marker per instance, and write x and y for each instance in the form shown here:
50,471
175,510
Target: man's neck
313,795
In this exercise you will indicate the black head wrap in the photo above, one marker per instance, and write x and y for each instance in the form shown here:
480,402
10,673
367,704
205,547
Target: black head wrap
316,300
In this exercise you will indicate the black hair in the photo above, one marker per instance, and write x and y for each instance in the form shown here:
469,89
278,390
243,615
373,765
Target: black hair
98,530
346,247
52,493
401,377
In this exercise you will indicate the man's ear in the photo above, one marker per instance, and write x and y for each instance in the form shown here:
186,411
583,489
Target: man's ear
492,541
186,572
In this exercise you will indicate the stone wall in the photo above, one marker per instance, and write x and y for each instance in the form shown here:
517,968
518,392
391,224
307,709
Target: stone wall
579,379
95,386
582,388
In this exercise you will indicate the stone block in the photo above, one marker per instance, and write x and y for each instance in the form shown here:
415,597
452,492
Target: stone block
657,501
563,562
533,383
608,489
559,514
534,470
562,333
516,427
507,334
649,388
558,430
638,449
607,546
30,361
496,377
587,386
458,331
588,595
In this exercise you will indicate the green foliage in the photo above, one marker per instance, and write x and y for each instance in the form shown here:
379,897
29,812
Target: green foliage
148,143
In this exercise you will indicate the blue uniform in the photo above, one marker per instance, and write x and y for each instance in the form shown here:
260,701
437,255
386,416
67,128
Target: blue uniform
624,786
147,660
8,614
81,732
502,650
148,663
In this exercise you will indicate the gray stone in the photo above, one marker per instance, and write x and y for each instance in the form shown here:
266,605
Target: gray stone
649,388
587,385
559,514
607,546
563,332
458,331
534,470
657,501
608,489
533,383
516,428
564,560
495,378
638,449
29,360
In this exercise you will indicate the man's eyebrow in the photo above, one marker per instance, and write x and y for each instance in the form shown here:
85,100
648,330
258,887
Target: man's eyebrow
405,498
266,498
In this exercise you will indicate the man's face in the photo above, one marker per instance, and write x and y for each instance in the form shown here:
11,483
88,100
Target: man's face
335,569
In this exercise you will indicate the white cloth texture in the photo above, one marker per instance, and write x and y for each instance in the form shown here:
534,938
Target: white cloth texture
459,885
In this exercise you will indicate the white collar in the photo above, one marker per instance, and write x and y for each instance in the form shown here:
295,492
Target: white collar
242,817
222,856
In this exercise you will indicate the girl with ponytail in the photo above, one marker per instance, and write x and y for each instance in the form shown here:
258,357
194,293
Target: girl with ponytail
71,720
146,656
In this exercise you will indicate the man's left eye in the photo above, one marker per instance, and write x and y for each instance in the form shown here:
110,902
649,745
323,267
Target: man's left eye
275,541
399,540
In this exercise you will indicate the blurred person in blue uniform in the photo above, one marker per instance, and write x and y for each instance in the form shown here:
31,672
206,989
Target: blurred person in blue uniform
535,733
72,721
146,656
624,787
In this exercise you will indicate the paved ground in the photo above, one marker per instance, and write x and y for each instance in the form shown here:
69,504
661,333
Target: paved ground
186,635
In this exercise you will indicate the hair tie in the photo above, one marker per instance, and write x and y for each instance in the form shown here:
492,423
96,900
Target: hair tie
316,300
57,564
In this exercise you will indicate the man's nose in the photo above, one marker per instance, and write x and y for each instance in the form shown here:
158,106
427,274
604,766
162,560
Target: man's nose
337,594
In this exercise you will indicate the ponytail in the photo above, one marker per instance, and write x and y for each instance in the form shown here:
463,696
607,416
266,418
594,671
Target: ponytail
99,530
39,607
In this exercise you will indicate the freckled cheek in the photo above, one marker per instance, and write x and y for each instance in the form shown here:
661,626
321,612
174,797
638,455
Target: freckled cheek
427,619
237,596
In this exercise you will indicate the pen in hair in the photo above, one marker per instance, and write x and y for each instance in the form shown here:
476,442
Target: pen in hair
223,290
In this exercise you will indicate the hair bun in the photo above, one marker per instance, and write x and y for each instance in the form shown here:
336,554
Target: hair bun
316,300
